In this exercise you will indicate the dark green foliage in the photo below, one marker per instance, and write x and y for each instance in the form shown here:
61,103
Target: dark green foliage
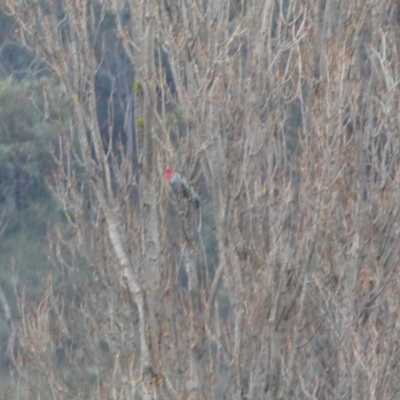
25,141
25,165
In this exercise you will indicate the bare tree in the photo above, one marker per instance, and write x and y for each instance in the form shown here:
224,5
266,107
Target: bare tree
285,115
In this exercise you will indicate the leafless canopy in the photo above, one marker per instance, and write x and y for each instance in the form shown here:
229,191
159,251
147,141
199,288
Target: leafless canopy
284,114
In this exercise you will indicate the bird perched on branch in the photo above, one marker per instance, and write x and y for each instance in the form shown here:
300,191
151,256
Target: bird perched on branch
181,185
